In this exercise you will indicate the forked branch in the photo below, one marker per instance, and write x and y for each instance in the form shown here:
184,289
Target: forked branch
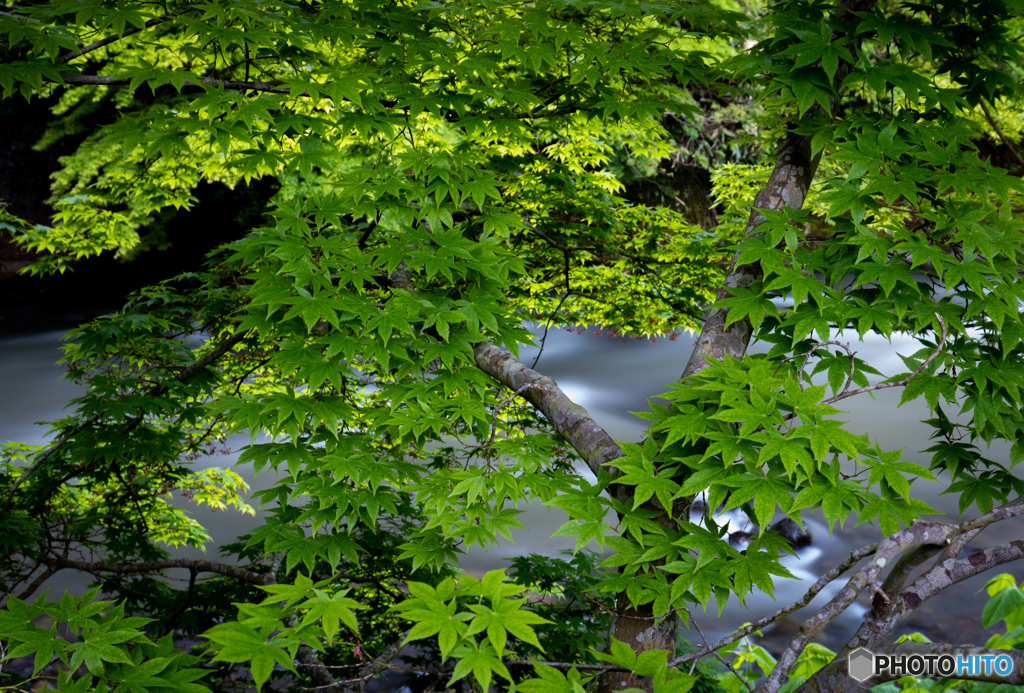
881,622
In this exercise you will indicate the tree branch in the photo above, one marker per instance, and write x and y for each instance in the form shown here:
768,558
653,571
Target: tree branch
787,187
572,421
855,556
35,584
889,549
198,565
899,383
322,679
66,57
883,619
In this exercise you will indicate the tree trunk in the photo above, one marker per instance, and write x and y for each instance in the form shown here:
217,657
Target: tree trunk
635,627
787,186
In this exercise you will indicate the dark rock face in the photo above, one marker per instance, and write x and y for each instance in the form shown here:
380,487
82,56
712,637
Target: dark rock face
791,532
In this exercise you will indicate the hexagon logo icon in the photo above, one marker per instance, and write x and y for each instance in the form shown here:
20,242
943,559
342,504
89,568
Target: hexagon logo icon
861,664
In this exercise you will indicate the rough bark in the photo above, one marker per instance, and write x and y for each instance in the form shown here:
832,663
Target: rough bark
889,550
787,187
879,628
888,612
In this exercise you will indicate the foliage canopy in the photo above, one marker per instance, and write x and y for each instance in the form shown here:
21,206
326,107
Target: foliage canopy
447,173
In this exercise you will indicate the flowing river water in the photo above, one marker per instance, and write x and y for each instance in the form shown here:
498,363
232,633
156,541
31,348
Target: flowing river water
610,377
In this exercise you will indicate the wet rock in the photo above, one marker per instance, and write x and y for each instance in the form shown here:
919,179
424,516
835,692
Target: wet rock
791,532
740,538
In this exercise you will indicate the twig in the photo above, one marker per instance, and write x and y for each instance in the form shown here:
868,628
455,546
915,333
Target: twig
547,326
855,556
35,584
719,657
566,665
899,383
502,403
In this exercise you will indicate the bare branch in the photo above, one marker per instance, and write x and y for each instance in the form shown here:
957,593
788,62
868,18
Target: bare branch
37,583
882,621
905,565
855,556
910,560
917,534
322,679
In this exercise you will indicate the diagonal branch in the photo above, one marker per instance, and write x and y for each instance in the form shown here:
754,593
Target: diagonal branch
882,621
66,57
572,421
889,549
787,187
855,556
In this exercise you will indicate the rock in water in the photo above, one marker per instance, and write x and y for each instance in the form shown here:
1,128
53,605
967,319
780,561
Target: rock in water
791,532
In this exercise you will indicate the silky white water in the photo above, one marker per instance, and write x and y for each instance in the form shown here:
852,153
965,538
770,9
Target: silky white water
610,377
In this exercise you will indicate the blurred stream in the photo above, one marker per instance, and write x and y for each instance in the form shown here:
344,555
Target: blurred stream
610,377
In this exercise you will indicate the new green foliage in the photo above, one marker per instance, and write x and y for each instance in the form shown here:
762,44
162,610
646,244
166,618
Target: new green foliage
448,173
